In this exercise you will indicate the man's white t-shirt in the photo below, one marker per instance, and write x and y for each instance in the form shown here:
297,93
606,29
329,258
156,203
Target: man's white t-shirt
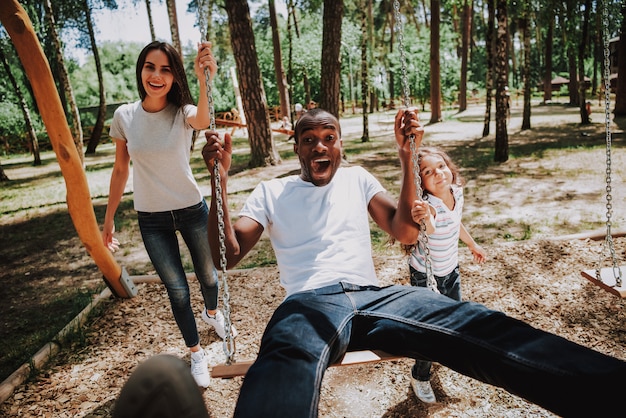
320,235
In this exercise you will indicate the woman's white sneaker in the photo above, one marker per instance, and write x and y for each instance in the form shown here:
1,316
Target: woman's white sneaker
200,368
217,322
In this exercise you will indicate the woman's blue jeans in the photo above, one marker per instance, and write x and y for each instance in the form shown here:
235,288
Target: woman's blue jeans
448,285
313,329
158,230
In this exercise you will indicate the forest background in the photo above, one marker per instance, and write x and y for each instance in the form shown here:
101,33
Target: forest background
456,51
344,55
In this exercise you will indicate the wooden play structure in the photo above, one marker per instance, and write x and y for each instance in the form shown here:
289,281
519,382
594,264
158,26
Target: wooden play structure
35,63
233,119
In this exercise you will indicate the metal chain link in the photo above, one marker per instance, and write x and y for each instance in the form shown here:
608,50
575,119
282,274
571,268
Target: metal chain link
423,236
229,340
406,92
431,283
608,242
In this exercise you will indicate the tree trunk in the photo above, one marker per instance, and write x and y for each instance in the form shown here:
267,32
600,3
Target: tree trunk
33,143
262,151
510,51
525,30
547,75
292,116
435,68
570,39
466,31
150,21
392,74
3,176
307,87
365,88
598,55
94,140
64,79
501,153
490,47
171,14
573,75
330,83
582,48
281,82
620,92
305,78
37,68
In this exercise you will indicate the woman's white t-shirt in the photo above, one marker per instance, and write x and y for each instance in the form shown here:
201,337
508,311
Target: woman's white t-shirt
159,145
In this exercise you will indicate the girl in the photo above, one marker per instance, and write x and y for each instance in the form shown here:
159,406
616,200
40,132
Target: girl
156,133
441,210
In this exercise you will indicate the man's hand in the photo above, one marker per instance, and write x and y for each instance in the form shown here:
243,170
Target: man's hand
407,123
215,151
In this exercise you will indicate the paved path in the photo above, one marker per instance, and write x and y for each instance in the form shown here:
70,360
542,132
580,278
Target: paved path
467,125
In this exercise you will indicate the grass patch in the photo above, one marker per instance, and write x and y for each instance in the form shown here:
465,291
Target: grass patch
27,335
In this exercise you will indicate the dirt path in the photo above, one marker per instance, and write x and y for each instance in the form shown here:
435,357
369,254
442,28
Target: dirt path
548,293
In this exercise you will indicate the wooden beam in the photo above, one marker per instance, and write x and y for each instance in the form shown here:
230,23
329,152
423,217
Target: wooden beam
20,28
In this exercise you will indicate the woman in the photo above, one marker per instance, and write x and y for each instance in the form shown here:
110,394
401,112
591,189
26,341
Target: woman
156,134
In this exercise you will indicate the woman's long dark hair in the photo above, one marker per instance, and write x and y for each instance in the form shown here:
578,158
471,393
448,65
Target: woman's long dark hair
179,94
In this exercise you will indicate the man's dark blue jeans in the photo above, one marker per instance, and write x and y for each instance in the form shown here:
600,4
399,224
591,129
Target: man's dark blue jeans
313,329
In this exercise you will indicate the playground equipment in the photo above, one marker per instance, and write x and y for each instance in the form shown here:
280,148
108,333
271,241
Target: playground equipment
608,278
35,63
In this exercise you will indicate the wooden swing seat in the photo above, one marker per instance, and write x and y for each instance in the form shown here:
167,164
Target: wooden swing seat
608,281
240,368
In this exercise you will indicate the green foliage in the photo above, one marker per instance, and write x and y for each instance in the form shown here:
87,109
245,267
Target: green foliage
307,51
118,67
417,52
118,58
450,66
222,89
12,121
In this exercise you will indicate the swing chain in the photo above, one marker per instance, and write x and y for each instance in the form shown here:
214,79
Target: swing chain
422,243
406,94
229,341
608,242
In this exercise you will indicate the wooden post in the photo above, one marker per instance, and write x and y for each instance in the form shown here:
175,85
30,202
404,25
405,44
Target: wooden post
23,36
233,76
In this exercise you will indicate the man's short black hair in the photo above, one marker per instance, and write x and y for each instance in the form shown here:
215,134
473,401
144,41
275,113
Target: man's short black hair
305,121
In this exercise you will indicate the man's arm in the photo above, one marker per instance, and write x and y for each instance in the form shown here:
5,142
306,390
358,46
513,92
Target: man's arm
246,232
395,218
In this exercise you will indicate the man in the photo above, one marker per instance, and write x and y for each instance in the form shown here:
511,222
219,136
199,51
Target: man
318,225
